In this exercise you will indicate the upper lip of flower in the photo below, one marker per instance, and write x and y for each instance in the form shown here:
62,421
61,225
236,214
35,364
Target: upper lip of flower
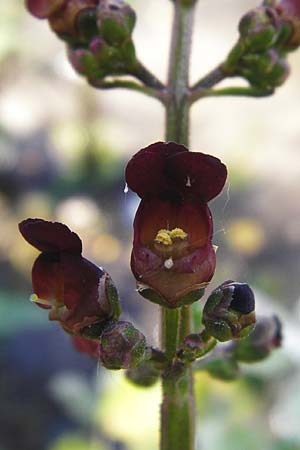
170,168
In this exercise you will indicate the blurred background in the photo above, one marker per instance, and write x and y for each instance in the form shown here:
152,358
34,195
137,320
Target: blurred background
63,148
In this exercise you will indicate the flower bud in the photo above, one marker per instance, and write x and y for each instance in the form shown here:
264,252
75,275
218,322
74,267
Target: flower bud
267,336
85,63
289,13
195,346
144,375
265,70
44,8
122,346
67,22
225,369
258,28
115,20
229,311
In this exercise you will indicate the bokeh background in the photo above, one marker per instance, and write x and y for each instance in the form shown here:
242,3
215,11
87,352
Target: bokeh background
63,148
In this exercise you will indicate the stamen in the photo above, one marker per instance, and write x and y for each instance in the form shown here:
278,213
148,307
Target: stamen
177,233
35,299
163,237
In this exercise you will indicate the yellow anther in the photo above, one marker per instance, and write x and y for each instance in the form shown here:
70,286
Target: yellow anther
163,237
177,233
168,237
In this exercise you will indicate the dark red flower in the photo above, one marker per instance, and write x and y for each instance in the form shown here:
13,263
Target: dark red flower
172,251
88,346
77,292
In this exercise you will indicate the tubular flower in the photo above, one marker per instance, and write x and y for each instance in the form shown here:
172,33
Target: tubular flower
80,295
173,257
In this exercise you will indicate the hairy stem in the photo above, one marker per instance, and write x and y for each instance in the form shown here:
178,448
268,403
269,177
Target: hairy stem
177,409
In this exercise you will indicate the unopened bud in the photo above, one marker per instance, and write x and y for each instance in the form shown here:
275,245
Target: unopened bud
265,70
122,346
67,22
145,375
258,28
225,369
194,346
229,311
85,63
115,21
267,336
44,8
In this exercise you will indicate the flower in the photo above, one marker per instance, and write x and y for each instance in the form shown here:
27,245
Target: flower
79,294
173,257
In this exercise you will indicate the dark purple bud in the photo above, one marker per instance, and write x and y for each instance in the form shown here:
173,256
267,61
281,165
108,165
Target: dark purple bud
229,311
267,336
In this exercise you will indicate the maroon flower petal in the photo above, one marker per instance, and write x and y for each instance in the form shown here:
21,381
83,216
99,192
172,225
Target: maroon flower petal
85,296
47,280
155,214
44,8
202,175
50,237
88,346
145,171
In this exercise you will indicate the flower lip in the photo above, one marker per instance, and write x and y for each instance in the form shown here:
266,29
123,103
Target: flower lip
50,237
170,167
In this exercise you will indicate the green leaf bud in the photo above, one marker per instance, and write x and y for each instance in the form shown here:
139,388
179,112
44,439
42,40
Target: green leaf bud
122,346
266,336
229,311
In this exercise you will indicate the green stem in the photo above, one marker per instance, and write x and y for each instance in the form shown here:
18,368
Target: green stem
124,84
147,77
177,409
235,91
211,79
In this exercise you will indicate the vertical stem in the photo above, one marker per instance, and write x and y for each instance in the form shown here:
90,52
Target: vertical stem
177,409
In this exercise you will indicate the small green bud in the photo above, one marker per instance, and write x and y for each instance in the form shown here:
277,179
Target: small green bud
225,369
115,20
145,375
85,63
258,29
229,311
265,70
267,335
194,346
122,346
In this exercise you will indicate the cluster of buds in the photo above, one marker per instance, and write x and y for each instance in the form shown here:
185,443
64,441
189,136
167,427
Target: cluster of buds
98,34
267,34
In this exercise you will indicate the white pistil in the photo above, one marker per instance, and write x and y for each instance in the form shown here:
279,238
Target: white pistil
169,263
188,182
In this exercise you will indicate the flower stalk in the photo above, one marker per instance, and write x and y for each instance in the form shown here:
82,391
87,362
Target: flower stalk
177,409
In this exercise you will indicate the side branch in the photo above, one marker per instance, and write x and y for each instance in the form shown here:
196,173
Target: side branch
131,85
